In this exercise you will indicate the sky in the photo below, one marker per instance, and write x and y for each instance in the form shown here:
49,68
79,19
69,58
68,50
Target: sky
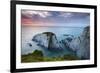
54,18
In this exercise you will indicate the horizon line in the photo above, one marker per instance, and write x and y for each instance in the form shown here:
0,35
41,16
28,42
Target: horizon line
55,26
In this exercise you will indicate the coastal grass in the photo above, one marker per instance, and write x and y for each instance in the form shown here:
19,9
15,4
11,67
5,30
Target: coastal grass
37,56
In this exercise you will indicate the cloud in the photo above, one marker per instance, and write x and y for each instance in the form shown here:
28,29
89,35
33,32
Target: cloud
30,13
66,15
54,18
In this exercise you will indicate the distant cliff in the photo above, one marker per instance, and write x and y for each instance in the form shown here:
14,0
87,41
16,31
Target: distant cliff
81,44
84,51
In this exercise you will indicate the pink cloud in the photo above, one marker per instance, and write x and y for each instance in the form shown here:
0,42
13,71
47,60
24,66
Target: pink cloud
26,21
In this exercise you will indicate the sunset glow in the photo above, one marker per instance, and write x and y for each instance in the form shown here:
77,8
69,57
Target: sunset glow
54,18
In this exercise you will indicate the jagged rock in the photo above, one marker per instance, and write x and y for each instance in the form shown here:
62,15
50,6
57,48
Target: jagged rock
47,40
81,44
65,42
68,37
84,51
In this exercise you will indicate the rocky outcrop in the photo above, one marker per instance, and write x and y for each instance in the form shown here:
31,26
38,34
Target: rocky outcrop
84,46
47,40
81,44
65,42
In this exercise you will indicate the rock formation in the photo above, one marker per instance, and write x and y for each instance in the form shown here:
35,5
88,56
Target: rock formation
47,40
